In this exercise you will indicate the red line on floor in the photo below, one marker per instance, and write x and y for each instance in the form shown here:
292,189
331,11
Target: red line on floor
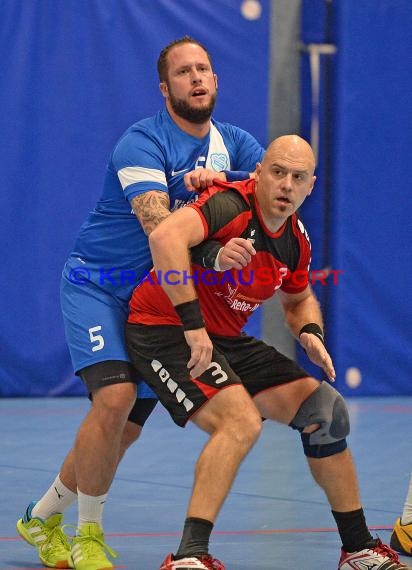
221,532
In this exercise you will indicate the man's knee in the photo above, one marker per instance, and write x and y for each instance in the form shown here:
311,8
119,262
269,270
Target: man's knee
326,408
111,384
232,412
247,430
244,424
116,400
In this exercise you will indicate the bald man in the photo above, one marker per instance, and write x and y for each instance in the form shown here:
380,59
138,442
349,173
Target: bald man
184,336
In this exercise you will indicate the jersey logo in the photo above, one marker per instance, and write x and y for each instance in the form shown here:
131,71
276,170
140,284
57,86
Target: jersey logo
171,385
234,303
219,161
176,172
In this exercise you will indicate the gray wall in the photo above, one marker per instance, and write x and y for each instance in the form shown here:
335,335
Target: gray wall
284,118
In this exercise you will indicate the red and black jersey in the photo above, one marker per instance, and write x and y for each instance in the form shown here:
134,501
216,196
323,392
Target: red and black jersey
229,298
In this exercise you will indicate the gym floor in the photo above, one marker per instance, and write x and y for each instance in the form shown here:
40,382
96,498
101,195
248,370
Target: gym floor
275,517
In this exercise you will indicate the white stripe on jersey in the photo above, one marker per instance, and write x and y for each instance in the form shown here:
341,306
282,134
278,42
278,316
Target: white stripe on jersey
132,174
217,156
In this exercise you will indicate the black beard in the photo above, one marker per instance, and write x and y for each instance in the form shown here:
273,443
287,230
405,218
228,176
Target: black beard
192,114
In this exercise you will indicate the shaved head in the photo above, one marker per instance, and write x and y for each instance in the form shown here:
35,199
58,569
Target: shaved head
292,148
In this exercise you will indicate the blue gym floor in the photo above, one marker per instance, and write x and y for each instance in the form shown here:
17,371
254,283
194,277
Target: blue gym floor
274,518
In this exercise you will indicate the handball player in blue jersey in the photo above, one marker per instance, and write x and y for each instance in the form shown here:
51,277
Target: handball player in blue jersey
157,166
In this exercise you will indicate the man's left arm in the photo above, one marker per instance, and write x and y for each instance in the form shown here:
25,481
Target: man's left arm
304,318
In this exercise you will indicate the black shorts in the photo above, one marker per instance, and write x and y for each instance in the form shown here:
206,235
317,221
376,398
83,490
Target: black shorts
160,354
111,372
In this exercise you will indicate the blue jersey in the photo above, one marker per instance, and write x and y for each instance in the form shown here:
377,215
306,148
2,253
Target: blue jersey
153,154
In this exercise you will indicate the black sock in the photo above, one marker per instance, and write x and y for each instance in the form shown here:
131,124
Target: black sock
353,531
195,539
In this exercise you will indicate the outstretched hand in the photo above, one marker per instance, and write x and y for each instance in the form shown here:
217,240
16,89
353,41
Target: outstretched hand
318,354
201,178
201,351
236,254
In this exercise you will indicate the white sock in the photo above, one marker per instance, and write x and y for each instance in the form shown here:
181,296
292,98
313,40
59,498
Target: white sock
407,507
55,500
90,508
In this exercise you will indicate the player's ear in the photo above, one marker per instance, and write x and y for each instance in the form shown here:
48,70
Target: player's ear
215,76
313,184
163,88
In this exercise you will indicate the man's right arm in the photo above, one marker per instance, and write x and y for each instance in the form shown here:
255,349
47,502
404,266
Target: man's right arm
150,209
170,244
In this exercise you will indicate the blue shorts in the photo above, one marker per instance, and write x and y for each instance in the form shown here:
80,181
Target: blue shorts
94,323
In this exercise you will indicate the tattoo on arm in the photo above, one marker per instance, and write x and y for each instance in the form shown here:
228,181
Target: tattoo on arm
150,209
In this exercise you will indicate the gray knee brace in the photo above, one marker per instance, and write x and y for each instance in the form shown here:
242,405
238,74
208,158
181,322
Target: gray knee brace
326,407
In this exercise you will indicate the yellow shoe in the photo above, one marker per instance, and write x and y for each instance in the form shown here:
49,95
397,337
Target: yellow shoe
48,537
401,539
88,549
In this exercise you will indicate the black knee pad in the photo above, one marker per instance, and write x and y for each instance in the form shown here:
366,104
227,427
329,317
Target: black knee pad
326,407
324,450
141,410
